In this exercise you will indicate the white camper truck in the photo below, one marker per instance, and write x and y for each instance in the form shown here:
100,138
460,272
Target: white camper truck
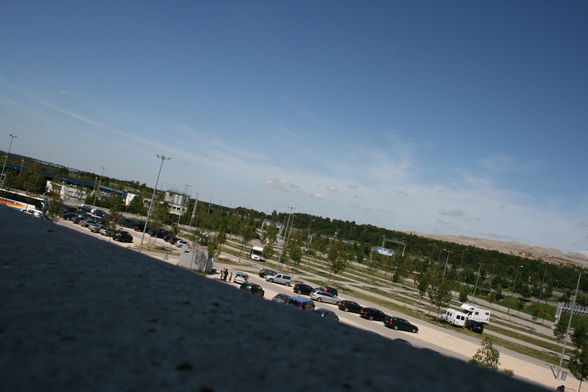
476,313
454,317
256,253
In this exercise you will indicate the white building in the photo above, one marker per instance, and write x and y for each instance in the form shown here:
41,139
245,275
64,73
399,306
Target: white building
68,193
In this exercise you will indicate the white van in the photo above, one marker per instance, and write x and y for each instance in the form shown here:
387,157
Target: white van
256,253
476,313
454,317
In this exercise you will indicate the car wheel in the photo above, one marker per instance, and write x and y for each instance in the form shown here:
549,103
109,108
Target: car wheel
372,318
271,280
396,327
288,284
346,310
319,299
296,291
414,330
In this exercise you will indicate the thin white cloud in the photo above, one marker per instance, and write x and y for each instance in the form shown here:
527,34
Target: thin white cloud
451,212
501,163
332,188
64,92
318,196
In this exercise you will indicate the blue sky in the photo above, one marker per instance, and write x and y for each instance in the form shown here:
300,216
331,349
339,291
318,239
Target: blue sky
455,117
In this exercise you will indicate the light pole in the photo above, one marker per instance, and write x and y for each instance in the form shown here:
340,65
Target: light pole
194,209
98,187
563,351
163,159
446,260
12,137
477,277
513,288
184,201
286,235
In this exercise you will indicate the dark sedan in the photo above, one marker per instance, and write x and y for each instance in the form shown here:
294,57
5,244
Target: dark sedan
281,298
327,314
349,306
267,272
301,288
122,236
475,326
372,314
253,289
400,324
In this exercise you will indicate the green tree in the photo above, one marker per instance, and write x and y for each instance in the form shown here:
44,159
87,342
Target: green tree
337,258
136,206
247,233
423,283
578,364
55,208
463,294
560,328
487,356
268,250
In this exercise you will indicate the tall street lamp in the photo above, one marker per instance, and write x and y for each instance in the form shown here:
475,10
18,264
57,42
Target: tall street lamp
286,235
98,187
563,351
194,209
446,260
183,201
477,277
12,137
163,159
513,288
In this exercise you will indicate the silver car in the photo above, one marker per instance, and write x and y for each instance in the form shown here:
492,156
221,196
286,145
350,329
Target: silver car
241,278
324,296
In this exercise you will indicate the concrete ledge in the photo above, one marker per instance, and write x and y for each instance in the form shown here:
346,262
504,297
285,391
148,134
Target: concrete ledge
78,313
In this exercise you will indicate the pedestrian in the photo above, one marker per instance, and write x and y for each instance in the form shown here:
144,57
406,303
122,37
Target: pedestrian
231,277
222,274
226,274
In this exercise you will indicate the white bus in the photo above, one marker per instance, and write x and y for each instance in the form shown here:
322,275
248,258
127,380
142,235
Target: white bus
256,253
23,201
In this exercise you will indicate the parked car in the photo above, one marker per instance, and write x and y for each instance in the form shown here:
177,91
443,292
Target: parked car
126,222
402,341
88,221
162,233
241,277
107,231
401,324
98,212
281,298
301,303
475,326
181,243
81,216
123,236
264,272
328,289
253,289
301,288
323,296
349,306
95,227
70,215
279,278
372,314
327,314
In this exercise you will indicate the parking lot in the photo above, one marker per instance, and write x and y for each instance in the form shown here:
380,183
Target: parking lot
444,341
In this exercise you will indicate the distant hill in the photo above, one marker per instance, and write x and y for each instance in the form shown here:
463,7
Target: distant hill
515,248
